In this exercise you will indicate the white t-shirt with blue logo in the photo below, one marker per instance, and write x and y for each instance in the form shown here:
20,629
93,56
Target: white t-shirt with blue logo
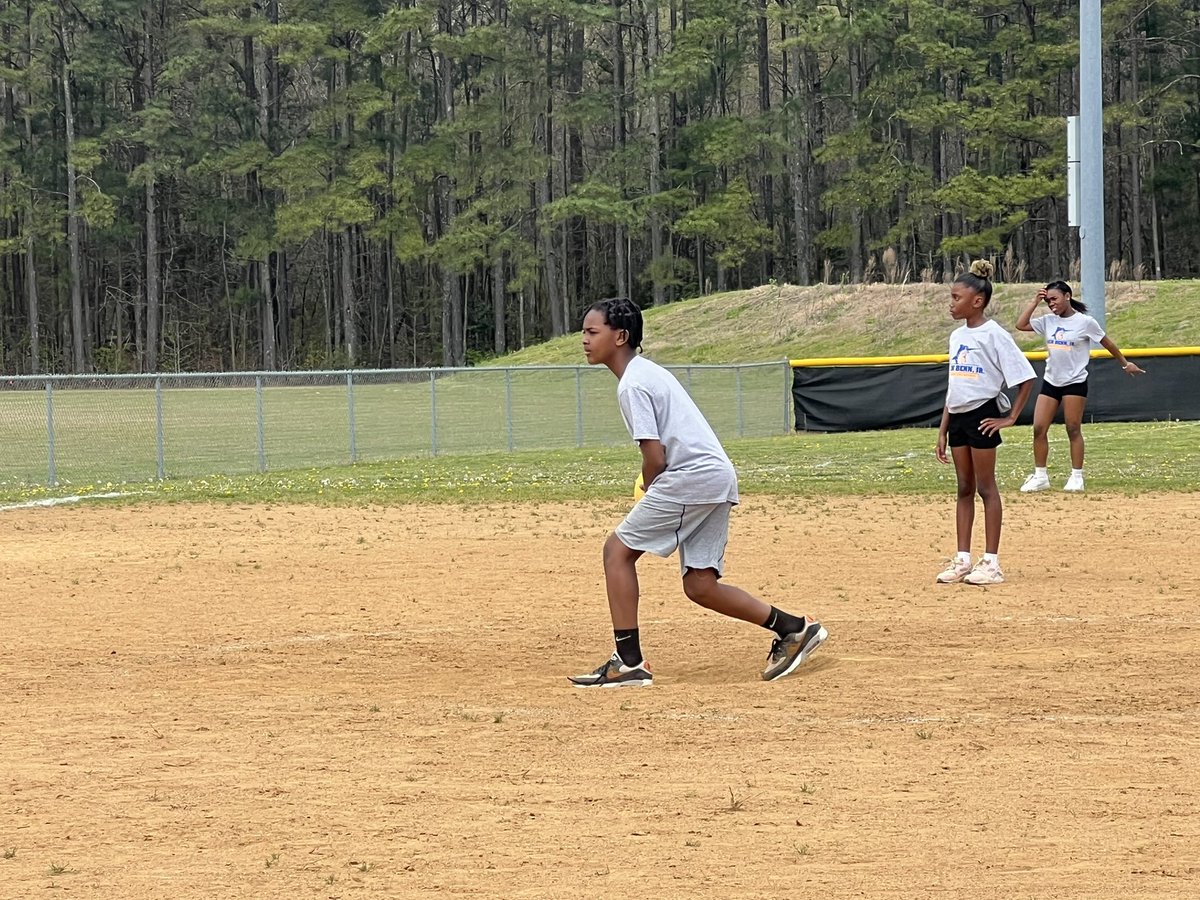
983,361
655,406
1068,345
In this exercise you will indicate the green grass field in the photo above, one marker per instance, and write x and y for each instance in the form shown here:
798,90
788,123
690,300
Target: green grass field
111,435
1123,458
556,433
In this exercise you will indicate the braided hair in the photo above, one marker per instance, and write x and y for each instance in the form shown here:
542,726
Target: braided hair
623,315
1065,289
978,279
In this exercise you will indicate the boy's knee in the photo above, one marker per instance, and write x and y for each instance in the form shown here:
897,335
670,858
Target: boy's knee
698,586
615,551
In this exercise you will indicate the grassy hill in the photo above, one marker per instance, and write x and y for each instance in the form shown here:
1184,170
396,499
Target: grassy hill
783,321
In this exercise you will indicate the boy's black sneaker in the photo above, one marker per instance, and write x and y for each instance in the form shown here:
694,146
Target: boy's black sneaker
615,673
787,653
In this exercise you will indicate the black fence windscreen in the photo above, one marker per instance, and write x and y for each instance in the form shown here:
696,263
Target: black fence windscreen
908,395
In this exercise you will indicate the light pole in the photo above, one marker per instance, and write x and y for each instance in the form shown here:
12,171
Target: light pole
1091,160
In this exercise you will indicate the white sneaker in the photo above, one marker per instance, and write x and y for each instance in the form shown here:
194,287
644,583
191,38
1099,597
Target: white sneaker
984,572
955,572
1036,482
1074,483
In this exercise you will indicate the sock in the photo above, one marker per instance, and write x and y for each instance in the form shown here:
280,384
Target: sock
1040,471
992,558
1078,472
783,623
629,646
963,557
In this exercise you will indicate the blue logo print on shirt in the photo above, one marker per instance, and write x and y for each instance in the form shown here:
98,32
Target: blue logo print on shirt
960,363
1056,340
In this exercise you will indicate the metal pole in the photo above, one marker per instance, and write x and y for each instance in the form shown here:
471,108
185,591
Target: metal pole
350,409
578,407
52,470
433,448
741,413
158,429
1091,159
788,401
508,412
262,440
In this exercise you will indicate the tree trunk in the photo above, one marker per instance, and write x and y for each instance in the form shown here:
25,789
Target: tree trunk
653,129
620,246
545,187
73,257
153,271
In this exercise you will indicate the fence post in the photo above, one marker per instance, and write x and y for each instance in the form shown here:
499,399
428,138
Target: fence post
787,396
52,471
158,429
508,408
740,411
578,407
262,450
350,406
433,412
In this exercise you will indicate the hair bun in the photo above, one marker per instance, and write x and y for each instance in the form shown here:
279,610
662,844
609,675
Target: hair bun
981,268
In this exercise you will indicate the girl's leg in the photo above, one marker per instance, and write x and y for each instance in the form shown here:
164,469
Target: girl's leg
1043,417
1073,408
621,582
964,505
703,589
984,463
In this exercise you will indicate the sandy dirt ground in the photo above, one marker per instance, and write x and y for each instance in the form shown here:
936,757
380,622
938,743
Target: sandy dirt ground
291,702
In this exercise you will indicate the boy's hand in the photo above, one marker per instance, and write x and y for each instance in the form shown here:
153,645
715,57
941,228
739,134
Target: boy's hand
991,426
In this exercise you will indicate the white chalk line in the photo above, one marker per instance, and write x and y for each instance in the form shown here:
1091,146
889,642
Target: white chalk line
62,501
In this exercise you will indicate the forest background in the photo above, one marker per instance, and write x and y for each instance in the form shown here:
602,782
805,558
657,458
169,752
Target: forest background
219,185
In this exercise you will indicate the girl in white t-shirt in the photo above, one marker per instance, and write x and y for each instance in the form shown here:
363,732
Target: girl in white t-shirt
1069,333
983,359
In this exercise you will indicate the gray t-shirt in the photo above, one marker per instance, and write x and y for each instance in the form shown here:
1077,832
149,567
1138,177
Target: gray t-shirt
982,361
1068,345
655,406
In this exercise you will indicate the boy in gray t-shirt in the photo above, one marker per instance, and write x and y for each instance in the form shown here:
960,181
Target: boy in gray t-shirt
690,489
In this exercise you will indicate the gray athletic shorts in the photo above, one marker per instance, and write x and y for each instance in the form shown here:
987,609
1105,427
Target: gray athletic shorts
699,531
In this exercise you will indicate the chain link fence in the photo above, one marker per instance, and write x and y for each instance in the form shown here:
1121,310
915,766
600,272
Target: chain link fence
74,429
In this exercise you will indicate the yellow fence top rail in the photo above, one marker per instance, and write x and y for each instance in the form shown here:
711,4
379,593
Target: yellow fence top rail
818,361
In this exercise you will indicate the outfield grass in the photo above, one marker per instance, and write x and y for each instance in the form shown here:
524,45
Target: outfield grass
111,435
1123,458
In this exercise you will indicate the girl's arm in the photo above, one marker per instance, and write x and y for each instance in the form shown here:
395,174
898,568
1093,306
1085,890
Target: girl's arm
1131,368
991,426
1027,312
943,436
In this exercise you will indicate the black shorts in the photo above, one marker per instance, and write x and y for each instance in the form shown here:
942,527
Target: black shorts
1053,391
964,430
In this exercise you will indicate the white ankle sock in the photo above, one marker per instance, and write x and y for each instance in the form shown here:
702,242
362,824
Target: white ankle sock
992,558
1040,471
1078,472
962,557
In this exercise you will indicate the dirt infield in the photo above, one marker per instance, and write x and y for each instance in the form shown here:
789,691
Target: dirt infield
291,702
